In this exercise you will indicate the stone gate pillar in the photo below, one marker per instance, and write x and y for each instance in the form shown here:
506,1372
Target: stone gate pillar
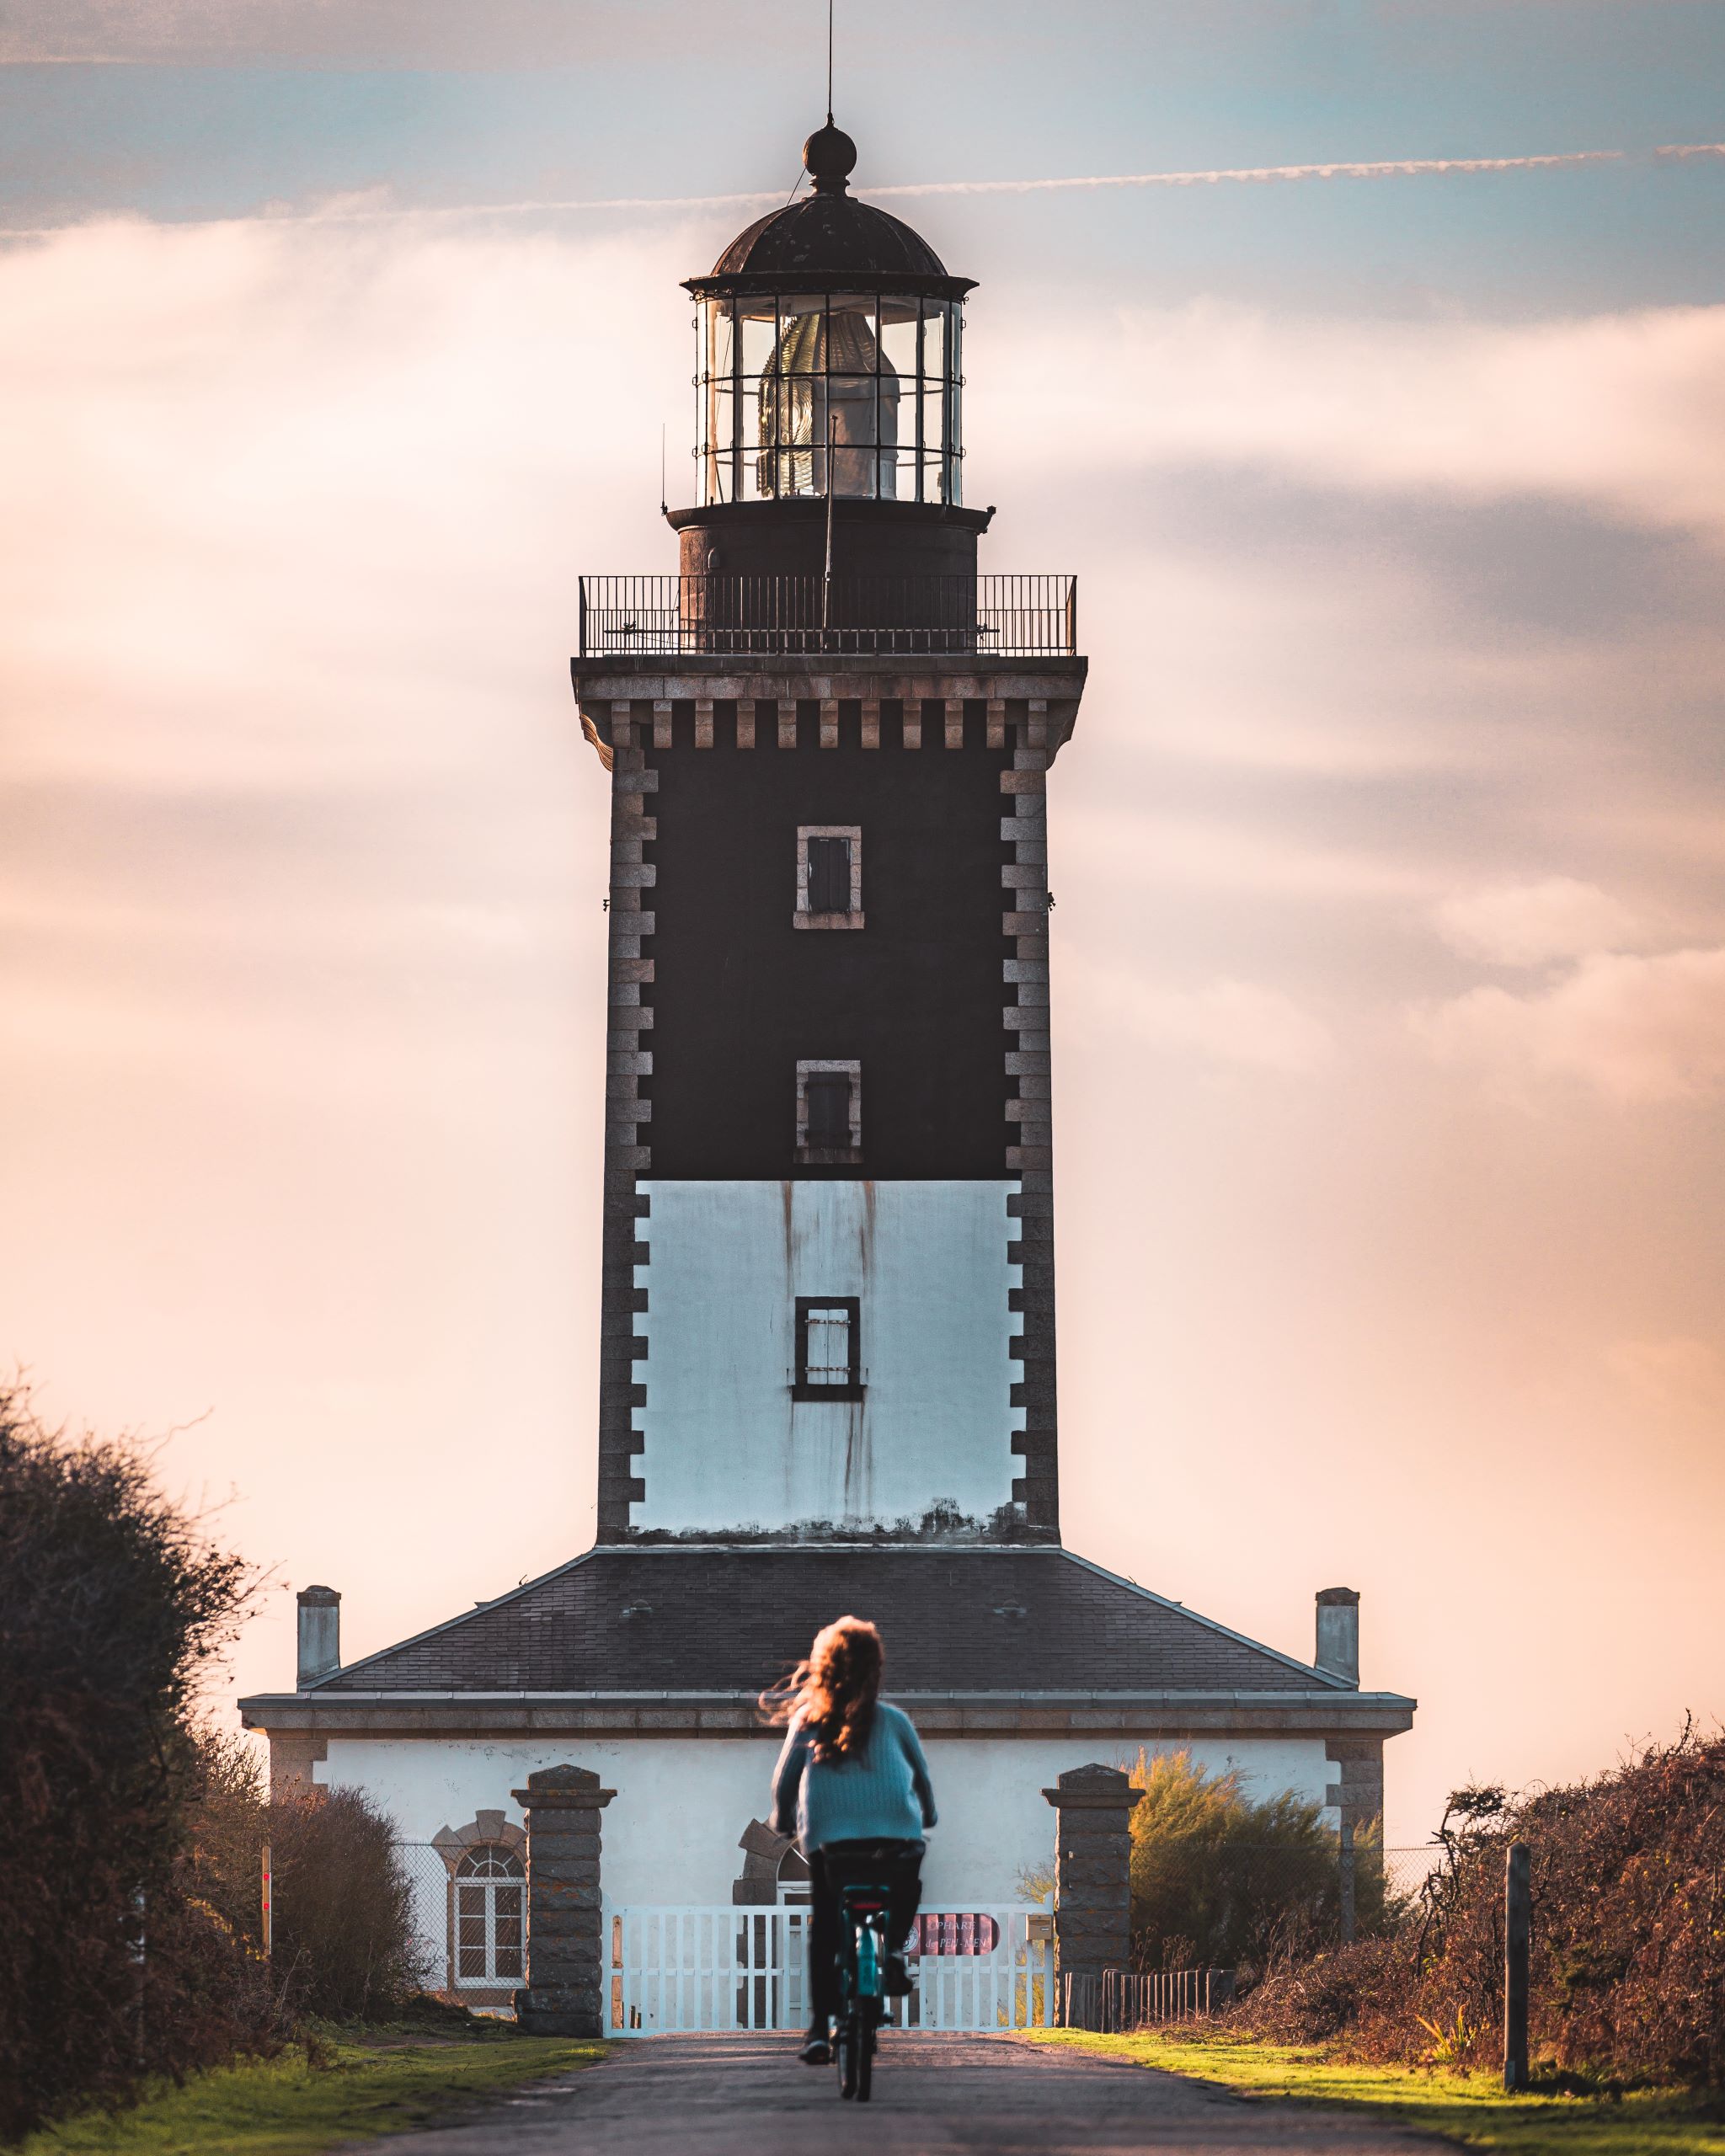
1093,1869
564,1994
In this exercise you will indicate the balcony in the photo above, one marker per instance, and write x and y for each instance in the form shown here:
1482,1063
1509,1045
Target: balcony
751,616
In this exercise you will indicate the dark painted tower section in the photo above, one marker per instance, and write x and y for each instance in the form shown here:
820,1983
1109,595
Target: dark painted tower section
829,1308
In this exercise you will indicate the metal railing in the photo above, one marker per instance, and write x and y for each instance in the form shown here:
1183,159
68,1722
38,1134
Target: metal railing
1116,2000
744,616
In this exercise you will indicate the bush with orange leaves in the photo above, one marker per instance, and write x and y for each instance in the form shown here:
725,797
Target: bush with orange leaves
1627,1978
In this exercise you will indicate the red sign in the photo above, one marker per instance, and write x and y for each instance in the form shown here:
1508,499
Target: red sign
945,1932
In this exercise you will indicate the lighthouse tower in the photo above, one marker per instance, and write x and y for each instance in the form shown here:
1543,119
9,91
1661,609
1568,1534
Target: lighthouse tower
829,1303
827,1370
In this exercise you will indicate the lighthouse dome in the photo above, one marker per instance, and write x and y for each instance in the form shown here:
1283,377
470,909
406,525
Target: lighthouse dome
828,237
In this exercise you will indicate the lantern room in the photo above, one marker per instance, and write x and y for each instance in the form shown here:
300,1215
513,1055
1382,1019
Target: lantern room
853,393
829,390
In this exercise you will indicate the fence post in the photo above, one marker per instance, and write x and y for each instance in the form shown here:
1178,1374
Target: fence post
267,1908
1518,1931
1346,1875
140,1915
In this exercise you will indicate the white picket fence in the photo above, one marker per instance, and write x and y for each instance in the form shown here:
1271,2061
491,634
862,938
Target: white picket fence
693,1969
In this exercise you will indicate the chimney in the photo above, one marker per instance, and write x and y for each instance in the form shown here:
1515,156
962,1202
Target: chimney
1337,1634
320,1634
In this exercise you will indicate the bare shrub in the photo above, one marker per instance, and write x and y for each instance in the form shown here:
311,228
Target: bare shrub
345,1945
112,1602
227,1825
1627,1975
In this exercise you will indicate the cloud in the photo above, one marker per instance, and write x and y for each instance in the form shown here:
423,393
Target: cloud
1232,1022
1527,924
1633,1029
1623,413
417,438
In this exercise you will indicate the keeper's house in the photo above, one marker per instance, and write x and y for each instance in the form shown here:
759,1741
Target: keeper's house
828,1323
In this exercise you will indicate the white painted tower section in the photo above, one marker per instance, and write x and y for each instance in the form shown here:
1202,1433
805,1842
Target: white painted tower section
728,1447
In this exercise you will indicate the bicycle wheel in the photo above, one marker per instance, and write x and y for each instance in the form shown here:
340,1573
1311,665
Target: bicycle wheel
845,2049
865,2063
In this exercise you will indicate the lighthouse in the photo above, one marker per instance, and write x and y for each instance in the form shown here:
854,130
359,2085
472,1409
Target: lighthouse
827,1320
828,1310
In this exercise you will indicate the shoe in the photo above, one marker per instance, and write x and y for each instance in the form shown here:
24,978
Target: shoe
896,1983
816,2051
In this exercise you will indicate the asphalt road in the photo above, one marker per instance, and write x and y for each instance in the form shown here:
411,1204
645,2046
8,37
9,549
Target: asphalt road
750,2096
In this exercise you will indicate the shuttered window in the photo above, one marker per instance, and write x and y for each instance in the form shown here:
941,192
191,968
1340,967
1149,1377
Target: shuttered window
829,875
829,1094
829,1348
828,1345
829,1113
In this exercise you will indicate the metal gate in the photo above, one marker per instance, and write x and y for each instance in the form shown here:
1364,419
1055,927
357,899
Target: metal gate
724,1967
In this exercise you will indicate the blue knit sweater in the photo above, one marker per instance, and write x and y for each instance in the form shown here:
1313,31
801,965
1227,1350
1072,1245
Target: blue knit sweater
882,1793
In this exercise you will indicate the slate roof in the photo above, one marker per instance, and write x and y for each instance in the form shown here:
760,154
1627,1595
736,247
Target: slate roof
733,1620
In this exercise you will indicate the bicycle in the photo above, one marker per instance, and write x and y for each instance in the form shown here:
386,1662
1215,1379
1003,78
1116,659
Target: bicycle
862,1955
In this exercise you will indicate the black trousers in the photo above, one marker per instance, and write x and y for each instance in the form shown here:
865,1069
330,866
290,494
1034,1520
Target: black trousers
895,1865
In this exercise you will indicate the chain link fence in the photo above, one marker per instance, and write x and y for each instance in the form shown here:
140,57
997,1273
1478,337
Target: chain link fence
470,1919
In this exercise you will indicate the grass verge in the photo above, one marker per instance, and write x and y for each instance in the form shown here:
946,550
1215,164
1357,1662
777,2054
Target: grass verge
1469,2108
386,2081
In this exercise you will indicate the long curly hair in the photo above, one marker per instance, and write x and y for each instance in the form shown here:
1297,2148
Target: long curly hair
834,1692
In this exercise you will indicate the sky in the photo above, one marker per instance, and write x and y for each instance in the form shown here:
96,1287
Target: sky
1390,945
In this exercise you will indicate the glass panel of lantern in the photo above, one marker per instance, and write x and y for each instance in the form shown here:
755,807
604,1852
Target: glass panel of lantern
757,327
862,404
934,428
897,360
718,413
954,463
798,358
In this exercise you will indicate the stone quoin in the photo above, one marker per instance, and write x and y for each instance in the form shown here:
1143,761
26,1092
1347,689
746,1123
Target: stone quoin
827,1320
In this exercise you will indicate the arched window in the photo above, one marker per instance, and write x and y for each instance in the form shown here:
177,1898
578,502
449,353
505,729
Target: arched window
490,1900
793,1877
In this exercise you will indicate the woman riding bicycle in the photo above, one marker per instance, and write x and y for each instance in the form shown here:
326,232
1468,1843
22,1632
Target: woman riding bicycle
852,1784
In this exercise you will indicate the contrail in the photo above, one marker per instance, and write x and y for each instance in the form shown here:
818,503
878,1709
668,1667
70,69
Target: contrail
1390,169
1249,175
